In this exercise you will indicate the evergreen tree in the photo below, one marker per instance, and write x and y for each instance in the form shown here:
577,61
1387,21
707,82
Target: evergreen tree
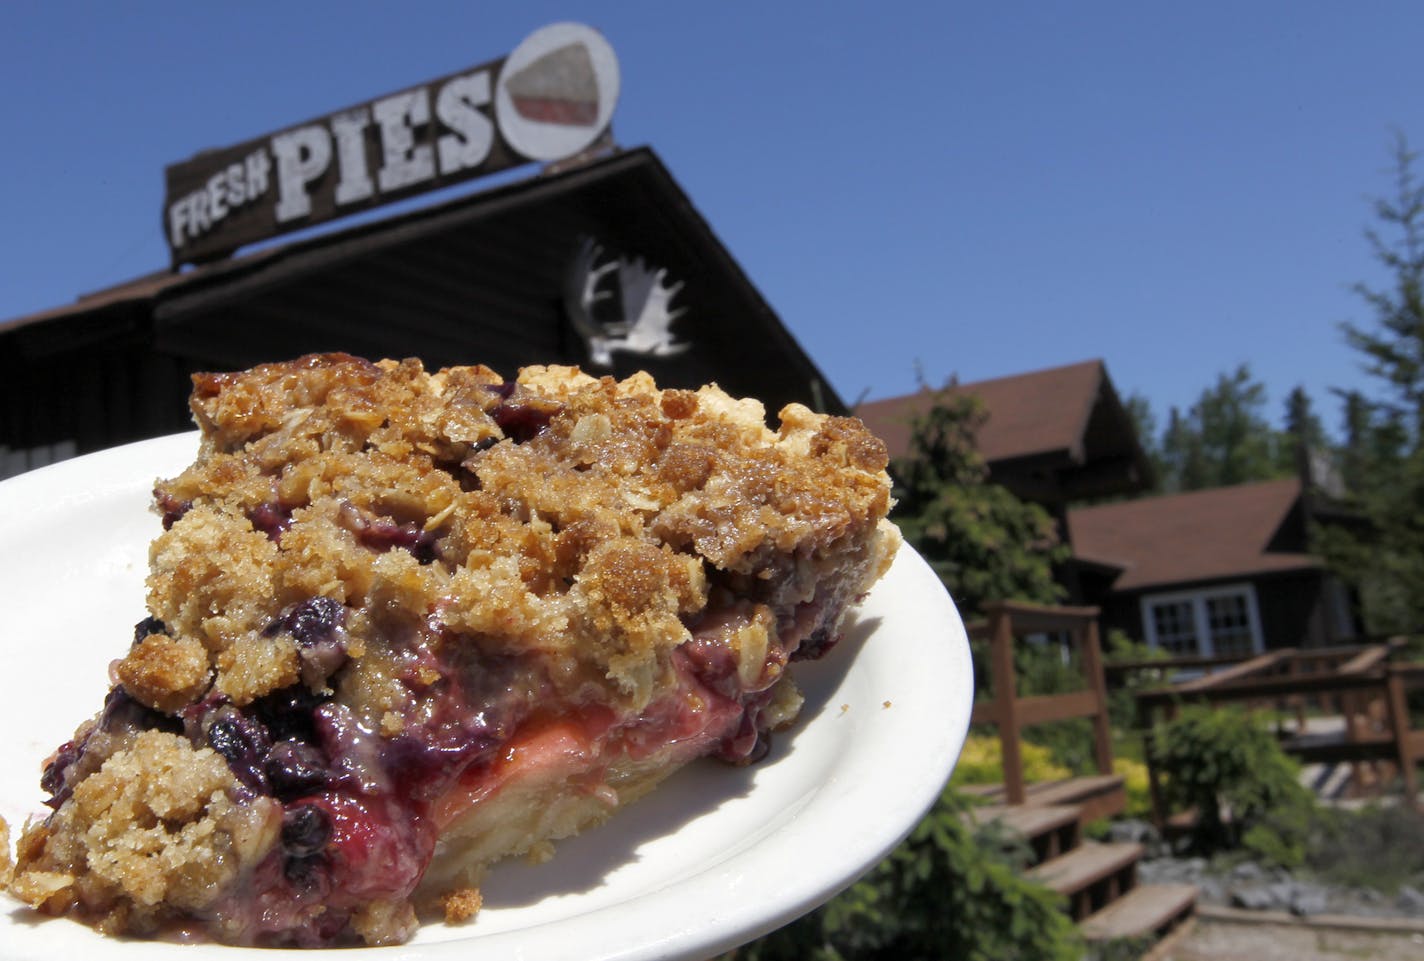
984,542
1394,347
1224,439
1383,457
1184,465
1354,451
1374,449
1144,424
1304,436
1239,441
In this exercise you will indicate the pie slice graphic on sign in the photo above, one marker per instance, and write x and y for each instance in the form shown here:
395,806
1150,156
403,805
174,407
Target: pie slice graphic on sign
559,87
556,92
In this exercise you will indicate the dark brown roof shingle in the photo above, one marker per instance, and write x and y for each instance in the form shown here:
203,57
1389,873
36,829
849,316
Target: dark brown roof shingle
1197,536
1042,412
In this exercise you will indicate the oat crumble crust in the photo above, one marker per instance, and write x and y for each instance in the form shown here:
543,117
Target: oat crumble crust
366,542
461,905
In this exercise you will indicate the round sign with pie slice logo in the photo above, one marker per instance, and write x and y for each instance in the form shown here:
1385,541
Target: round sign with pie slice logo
557,91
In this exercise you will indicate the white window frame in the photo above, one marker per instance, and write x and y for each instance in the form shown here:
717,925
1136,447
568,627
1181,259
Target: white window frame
1198,599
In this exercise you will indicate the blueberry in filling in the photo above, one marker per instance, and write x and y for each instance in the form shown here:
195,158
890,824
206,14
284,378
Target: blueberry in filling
271,519
52,780
306,830
243,742
519,414
171,508
295,768
289,713
149,625
384,534
318,627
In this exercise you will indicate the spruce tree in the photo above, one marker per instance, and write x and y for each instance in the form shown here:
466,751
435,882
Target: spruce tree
1384,444
983,541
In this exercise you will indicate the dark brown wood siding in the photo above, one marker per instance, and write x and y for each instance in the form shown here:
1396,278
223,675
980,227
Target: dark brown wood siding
83,384
1292,607
476,280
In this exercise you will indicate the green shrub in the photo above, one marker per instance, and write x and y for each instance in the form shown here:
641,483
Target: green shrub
1283,837
950,890
1232,771
1069,743
1043,669
1122,698
1379,847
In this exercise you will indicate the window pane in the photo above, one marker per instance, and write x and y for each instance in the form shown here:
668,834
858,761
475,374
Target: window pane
1176,627
1229,622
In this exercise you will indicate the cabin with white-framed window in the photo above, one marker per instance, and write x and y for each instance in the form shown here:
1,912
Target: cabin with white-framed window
1223,573
1219,573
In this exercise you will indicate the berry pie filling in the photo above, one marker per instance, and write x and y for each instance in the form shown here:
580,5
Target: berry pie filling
403,624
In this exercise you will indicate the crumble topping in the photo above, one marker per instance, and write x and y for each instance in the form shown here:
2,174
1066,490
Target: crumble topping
461,905
6,865
165,673
156,824
400,624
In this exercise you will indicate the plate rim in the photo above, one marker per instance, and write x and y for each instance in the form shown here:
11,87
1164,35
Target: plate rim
120,470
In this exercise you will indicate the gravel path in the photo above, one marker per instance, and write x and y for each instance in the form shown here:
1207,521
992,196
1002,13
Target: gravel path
1251,912
1211,940
1255,888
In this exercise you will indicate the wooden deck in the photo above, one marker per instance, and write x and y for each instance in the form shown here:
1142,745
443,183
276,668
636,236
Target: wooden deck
1364,684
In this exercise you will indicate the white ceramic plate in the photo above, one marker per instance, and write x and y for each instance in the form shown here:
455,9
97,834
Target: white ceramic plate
714,858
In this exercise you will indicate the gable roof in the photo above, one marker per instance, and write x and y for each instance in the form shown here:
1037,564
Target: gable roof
1066,421
474,278
1227,532
483,277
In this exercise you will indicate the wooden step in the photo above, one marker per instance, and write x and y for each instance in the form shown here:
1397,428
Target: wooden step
1031,821
1100,795
989,792
1090,876
1050,829
1086,865
1147,909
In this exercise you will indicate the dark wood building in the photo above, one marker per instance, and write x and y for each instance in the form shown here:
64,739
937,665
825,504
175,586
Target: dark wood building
1221,572
606,264
1217,572
1051,436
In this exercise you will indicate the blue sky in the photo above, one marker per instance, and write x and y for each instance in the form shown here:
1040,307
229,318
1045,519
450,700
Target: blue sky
919,190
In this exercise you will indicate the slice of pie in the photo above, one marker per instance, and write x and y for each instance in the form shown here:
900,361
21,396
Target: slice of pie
401,625
560,87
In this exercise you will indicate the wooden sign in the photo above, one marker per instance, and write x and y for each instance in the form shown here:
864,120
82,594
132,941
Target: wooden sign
550,99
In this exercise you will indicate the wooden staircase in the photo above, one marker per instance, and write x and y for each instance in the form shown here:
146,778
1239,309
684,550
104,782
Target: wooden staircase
1096,796
1099,880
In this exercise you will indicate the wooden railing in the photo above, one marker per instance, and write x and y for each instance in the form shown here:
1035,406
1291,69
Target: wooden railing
1008,622
1117,669
1361,683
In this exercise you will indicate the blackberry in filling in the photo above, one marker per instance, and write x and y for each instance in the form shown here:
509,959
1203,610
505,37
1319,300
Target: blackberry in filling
401,625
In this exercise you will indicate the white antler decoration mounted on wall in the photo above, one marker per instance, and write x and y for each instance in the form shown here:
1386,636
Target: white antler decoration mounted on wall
644,326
